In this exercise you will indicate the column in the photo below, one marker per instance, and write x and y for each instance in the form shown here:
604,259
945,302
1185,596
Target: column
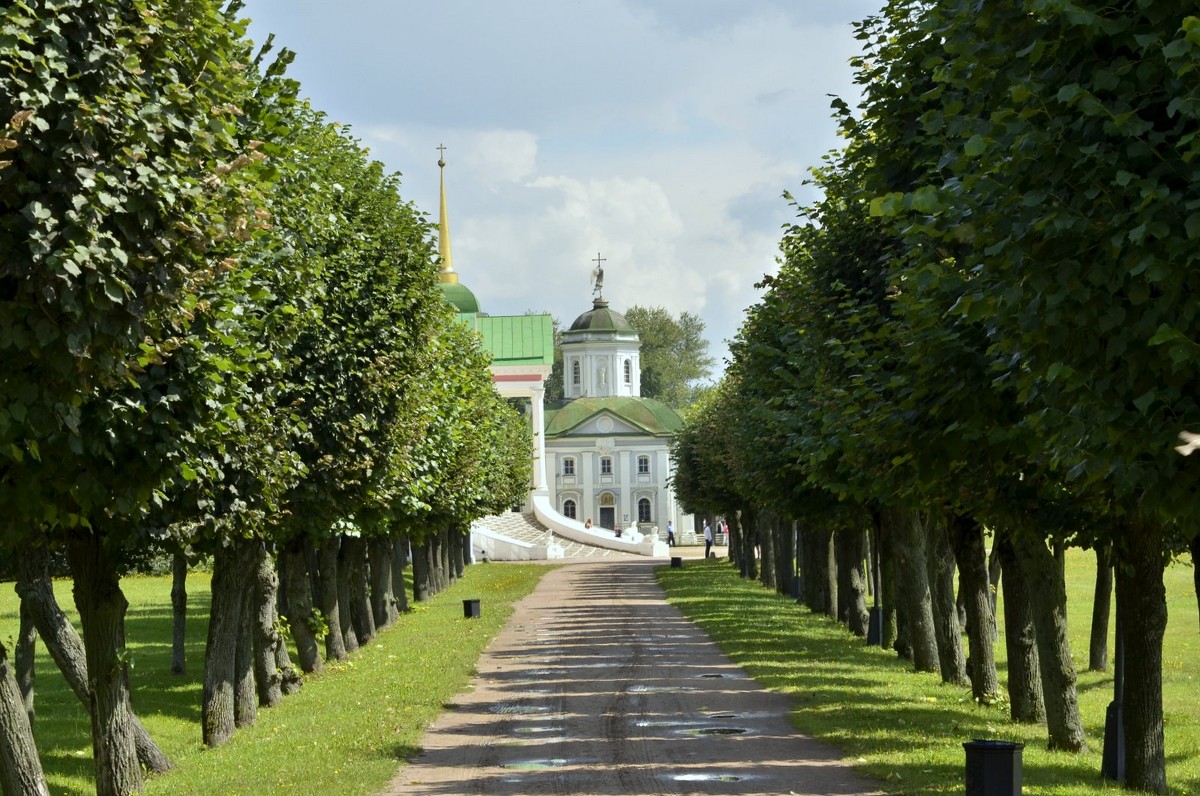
539,439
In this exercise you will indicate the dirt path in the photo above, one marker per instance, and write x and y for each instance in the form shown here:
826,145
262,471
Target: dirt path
598,686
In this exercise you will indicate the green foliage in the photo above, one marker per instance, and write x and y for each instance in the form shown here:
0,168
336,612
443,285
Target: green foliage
126,199
674,354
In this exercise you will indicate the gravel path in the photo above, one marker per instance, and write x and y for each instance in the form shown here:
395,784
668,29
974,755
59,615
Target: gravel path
597,686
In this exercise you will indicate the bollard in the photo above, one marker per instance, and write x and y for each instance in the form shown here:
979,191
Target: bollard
875,627
470,609
993,768
676,562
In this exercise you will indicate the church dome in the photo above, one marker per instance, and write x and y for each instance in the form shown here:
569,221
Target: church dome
461,297
601,319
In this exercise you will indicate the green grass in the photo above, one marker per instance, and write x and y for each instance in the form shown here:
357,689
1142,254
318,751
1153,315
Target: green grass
907,729
345,732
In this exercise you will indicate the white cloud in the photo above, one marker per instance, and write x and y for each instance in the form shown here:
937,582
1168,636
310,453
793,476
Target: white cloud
661,135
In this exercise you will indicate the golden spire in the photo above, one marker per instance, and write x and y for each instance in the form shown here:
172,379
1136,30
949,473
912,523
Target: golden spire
446,275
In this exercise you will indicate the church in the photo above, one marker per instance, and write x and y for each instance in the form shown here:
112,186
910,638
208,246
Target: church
601,456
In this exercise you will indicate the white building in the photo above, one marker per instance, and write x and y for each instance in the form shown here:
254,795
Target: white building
608,448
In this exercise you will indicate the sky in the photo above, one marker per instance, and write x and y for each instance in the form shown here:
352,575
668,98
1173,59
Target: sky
659,135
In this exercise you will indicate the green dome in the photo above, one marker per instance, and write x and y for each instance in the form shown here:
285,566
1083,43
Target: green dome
461,297
601,319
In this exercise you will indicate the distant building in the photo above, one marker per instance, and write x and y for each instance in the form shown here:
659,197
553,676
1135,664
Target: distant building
607,446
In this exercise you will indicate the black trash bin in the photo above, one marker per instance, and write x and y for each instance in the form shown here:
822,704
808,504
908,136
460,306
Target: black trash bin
470,609
676,562
993,768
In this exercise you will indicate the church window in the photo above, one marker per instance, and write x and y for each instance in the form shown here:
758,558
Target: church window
643,465
628,371
605,465
644,510
569,508
575,372
568,467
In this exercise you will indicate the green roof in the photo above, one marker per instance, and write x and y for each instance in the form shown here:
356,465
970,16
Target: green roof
517,339
648,414
601,319
461,297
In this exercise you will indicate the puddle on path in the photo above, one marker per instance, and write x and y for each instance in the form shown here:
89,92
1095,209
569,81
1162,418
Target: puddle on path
509,709
708,778
535,765
537,730
659,689
716,731
715,676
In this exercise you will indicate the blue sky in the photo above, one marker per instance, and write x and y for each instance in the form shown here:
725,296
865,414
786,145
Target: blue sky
659,133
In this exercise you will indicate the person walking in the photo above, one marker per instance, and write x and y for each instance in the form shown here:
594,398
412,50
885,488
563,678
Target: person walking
670,534
708,539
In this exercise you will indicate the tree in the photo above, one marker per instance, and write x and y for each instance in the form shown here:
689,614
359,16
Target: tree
1067,138
127,196
674,354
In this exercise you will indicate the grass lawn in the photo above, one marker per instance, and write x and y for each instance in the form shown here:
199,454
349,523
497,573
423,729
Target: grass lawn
907,729
345,732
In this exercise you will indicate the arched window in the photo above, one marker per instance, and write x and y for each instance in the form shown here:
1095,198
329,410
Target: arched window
629,371
575,372
605,465
644,510
643,465
569,508
568,466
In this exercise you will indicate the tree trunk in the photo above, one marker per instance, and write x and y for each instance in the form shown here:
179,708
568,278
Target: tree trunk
820,582
102,606
345,598
245,693
20,769
1142,604
233,583
887,585
1049,602
1194,549
994,581
1101,608
353,565
179,571
66,647
766,546
913,591
327,582
940,558
399,561
748,520
420,576
268,677
383,604
967,537
1026,703
300,615
733,541
26,646
785,556
852,580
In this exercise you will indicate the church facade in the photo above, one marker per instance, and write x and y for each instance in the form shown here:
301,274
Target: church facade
603,453
609,448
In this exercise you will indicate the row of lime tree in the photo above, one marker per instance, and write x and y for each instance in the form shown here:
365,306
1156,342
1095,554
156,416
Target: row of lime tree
987,320
220,332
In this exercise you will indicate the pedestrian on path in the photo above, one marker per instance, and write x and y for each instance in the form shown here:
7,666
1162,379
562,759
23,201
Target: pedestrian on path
708,540
670,534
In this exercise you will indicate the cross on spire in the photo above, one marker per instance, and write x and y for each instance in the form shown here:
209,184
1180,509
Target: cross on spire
441,155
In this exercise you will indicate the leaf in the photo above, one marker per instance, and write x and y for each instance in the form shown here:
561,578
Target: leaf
1165,334
976,145
1143,403
1192,226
